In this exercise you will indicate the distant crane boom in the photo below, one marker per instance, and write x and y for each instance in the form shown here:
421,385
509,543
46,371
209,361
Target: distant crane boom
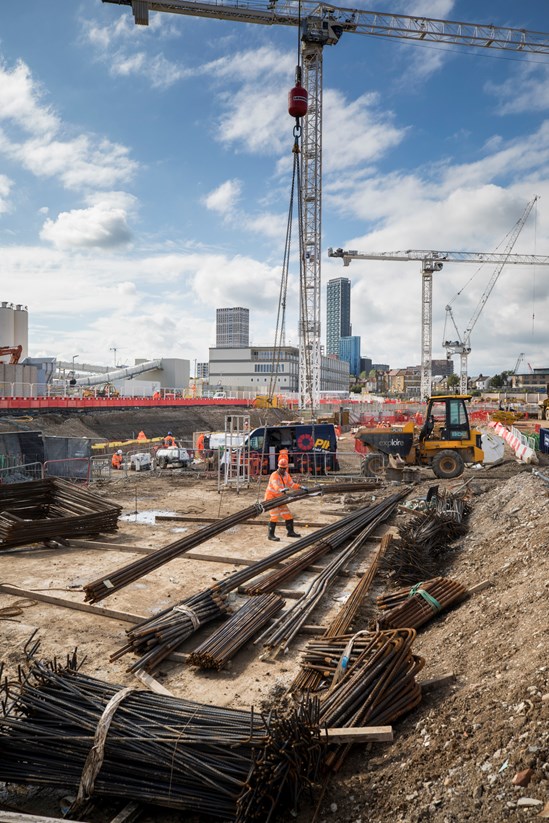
432,261
463,345
322,25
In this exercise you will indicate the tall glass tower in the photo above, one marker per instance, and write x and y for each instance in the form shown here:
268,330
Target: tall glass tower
338,313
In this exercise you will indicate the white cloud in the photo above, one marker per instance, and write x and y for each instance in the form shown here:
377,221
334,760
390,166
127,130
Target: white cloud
5,189
526,91
102,225
224,198
20,103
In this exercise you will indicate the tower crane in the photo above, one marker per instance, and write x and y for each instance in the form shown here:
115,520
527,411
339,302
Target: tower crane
462,345
432,261
322,25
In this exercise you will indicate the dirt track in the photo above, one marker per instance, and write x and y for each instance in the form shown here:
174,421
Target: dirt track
454,757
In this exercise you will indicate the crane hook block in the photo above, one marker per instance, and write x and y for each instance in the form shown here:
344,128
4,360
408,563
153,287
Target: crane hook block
297,101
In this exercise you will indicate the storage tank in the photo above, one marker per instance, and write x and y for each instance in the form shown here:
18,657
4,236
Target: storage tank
6,327
21,329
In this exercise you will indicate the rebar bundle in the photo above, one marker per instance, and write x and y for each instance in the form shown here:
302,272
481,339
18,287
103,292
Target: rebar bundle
236,765
308,680
157,638
116,580
413,607
42,510
278,636
371,678
224,643
425,539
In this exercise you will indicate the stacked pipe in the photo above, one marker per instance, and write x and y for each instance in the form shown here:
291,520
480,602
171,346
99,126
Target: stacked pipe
42,510
416,606
158,637
308,680
278,636
232,764
425,539
111,583
148,638
371,678
222,645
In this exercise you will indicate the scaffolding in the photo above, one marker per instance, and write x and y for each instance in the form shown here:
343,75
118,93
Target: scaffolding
233,466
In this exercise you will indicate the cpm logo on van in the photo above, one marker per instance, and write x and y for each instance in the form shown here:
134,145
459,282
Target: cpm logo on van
320,443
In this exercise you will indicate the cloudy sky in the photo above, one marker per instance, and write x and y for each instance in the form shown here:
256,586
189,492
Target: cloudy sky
145,178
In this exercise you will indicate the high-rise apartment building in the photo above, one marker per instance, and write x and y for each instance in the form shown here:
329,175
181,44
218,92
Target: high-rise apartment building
338,313
232,328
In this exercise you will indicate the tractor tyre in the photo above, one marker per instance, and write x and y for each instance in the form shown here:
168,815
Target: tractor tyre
373,464
162,463
447,464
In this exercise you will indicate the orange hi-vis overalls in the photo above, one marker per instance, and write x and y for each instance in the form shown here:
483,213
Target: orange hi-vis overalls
276,488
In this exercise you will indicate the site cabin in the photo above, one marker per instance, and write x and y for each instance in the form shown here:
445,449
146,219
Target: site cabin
312,448
446,442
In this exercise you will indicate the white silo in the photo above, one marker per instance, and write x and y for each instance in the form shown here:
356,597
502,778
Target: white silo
21,329
6,326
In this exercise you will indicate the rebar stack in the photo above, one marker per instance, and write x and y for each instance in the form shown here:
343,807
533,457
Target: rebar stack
413,607
308,680
42,510
148,638
223,644
231,764
425,539
116,580
157,638
371,678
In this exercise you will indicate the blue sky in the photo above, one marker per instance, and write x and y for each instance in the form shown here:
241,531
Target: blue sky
145,178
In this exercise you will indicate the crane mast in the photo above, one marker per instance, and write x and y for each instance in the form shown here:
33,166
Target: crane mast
432,261
462,346
323,24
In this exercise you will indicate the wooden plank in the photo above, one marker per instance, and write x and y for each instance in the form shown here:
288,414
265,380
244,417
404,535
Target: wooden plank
152,684
101,611
435,682
359,734
479,587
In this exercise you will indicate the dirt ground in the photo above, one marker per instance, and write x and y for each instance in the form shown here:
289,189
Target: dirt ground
452,759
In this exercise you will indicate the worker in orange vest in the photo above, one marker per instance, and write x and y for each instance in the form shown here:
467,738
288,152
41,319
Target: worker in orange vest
169,440
117,459
280,482
200,444
141,436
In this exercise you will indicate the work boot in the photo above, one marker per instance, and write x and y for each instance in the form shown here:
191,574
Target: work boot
272,527
290,529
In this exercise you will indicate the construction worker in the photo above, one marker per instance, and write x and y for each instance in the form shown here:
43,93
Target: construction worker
141,436
200,444
169,441
117,459
280,482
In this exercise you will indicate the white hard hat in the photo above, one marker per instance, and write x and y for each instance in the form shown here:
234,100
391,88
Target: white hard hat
119,451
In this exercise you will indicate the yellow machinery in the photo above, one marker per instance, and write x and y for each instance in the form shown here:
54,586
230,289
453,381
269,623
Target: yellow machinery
543,413
265,401
446,442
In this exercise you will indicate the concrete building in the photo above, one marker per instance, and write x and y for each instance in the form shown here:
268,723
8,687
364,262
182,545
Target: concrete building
533,381
250,369
338,313
232,328
202,371
444,368
349,350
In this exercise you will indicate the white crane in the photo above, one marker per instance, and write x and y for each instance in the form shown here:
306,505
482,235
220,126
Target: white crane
462,345
322,25
432,261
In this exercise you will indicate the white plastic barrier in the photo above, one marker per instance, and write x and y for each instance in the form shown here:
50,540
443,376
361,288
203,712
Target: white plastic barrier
517,442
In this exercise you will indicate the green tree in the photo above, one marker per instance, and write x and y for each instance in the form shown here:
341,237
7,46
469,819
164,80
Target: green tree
453,381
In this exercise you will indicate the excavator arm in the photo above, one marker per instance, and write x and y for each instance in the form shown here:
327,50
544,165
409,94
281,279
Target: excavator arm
14,352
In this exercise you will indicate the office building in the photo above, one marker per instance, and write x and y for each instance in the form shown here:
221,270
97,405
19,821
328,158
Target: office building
349,350
338,313
232,328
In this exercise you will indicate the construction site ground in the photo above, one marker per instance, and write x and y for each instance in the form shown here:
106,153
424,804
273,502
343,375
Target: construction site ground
452,759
